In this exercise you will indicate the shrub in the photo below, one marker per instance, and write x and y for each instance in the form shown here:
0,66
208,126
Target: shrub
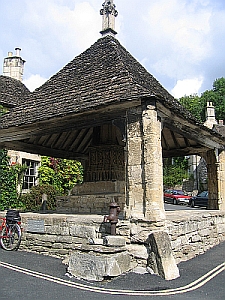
33,199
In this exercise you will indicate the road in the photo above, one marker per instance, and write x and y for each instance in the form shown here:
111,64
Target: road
169,206
29,276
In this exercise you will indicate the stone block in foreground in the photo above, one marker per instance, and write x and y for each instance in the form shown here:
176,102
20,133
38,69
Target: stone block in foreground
94,267
161,259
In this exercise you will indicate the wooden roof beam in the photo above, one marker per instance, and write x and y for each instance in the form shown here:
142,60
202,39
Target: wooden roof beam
35,149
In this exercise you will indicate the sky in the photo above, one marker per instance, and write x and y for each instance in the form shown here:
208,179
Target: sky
180,42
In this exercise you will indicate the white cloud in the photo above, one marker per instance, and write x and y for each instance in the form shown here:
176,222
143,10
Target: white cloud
66,27
179,32
174,40
187,87
54,32
34,81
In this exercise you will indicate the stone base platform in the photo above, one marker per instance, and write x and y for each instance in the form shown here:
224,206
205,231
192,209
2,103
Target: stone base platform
191,232
93,198
97,262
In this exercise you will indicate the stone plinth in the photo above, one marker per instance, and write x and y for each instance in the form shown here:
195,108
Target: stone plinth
96,266
93,198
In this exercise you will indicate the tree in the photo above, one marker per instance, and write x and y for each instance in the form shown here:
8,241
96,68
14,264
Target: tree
197,105
194,104
175,170
217,97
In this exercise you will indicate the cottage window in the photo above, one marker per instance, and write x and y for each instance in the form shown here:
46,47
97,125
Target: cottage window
30,176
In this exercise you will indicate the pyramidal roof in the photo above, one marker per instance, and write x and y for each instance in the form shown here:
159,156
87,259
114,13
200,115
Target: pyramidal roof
104,74
12,91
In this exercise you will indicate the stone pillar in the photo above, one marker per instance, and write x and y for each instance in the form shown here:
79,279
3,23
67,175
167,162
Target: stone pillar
221,180
144,164
211,161
152,163
134,171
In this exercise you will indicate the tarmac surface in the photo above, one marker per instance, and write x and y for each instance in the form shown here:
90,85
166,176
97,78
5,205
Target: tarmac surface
202,277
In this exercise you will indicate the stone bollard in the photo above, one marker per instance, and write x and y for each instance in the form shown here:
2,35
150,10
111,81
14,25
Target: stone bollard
44,202
160,259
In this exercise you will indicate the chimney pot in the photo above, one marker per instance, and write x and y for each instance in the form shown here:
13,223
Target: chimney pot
18,51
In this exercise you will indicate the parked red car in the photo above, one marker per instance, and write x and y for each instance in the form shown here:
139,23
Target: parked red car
176,197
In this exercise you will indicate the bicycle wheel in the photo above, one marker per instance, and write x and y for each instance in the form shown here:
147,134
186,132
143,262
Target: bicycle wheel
11,237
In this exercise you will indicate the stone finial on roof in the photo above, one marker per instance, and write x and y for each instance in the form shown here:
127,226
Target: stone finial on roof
108,13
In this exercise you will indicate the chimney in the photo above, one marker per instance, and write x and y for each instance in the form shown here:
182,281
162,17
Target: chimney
13,65
108,13
210,115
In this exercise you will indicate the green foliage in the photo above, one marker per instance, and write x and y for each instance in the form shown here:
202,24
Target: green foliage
33,199
9,181
217,97
62,174
175,170
196,105
2,110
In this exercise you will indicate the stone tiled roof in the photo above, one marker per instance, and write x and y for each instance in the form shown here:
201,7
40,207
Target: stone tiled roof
12,91
104,74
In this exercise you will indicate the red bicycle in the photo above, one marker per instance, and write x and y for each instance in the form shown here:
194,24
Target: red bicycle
10,231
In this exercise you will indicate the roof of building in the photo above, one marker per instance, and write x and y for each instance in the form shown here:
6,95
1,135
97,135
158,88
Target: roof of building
104,74
12,92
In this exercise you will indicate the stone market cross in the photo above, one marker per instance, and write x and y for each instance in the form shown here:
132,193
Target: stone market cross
104,109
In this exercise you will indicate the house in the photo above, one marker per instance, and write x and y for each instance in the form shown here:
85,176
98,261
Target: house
197,164
12,94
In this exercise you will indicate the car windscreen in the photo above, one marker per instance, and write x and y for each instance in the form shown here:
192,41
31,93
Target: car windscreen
178,192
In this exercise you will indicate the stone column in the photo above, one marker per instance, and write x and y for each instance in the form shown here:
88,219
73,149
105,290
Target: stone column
134,171
152,163
221,180
144,164
211,161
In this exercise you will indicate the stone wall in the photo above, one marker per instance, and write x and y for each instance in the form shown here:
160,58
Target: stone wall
192,233
93,198
195,233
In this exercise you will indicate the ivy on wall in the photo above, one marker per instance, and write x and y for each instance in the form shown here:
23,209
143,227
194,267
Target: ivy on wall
9,181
